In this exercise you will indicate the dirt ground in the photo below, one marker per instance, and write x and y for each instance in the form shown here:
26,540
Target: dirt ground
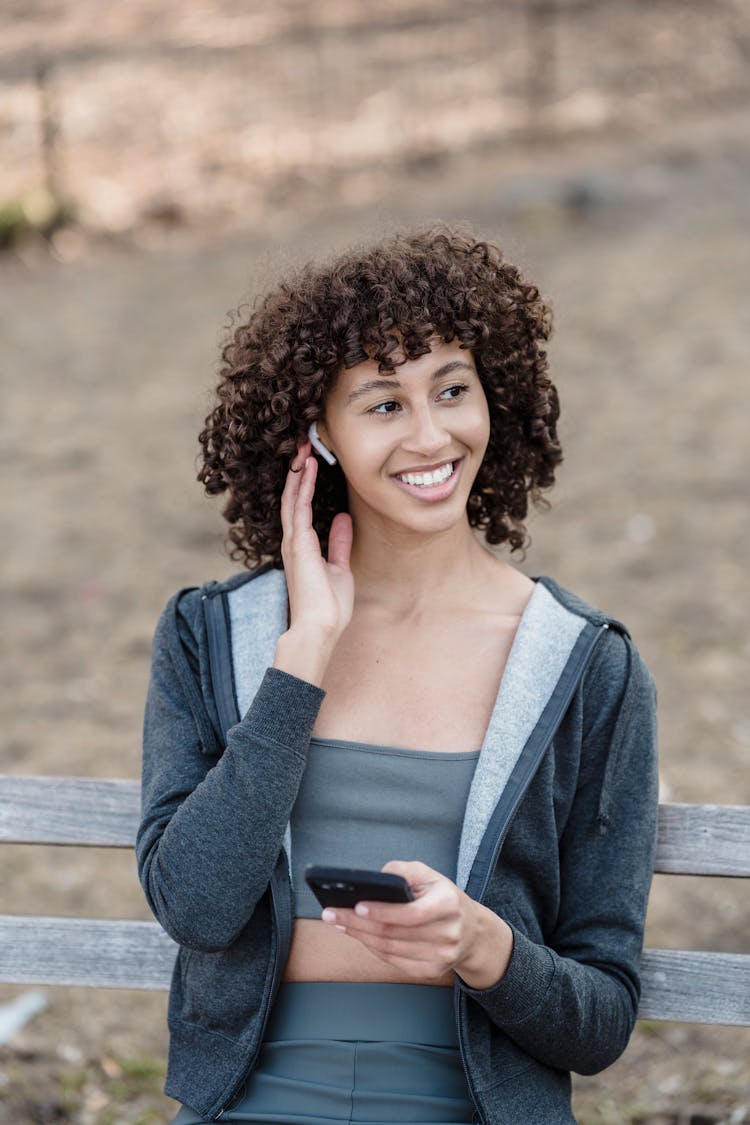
642,243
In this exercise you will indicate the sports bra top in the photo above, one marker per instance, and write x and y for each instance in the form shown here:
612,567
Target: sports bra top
360,805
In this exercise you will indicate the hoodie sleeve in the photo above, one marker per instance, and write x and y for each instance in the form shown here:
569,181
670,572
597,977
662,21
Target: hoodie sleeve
212,827
571,1003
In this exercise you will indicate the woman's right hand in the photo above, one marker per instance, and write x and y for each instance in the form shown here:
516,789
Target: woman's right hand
321,592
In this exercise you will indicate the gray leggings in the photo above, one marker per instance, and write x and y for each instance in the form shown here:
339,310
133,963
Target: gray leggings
341,1052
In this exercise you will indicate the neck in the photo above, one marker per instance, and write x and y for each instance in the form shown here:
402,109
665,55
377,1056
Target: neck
406,574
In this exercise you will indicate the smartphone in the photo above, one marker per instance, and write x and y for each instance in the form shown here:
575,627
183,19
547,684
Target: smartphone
346,886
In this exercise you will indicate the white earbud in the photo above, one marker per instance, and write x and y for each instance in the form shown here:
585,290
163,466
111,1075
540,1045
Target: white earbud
325,453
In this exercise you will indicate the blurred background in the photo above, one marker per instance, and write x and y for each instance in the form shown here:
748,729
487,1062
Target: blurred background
159,164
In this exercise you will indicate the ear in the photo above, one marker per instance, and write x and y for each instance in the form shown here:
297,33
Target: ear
320,442
323,433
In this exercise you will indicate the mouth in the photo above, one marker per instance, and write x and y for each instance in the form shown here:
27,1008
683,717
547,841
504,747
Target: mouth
435,483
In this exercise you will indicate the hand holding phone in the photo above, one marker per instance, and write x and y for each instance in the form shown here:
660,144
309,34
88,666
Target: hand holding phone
446,933
346,886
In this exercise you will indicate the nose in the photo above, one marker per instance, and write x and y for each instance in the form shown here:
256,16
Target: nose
426,434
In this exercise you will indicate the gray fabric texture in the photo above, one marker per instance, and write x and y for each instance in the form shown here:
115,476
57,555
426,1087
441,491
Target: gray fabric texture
361,805
341,1053
258,614
543,642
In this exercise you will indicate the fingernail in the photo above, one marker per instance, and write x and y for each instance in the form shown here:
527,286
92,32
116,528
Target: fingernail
328,915
362,910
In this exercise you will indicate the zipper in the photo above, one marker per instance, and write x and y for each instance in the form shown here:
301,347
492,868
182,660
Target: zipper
284,931
280,957
216,616
527,776
460,1000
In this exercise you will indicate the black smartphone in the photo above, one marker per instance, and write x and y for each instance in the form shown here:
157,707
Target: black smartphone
346,886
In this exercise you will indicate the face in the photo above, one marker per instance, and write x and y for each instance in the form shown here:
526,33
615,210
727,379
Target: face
410,442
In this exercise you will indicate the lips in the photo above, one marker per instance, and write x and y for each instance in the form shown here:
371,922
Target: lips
428,478
436,482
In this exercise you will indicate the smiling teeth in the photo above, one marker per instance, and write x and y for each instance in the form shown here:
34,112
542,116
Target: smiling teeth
425,480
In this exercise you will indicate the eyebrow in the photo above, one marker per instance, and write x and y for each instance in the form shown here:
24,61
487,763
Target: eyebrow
383,384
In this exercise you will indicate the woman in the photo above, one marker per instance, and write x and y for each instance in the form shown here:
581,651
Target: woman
385,692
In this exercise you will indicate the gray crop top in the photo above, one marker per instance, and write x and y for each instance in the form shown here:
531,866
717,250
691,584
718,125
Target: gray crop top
360,805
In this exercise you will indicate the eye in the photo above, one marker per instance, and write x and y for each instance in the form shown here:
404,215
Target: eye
455,392
384,408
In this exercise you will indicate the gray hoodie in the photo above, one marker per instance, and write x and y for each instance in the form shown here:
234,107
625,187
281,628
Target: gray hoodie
558,839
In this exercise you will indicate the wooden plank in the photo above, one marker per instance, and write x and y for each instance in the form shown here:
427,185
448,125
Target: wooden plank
94,952
703,840
692,839
693,987
68,810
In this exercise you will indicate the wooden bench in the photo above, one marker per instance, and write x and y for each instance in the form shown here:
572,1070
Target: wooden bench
687,986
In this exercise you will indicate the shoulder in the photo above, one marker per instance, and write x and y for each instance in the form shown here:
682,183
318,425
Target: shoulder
579,607
181,657
616,665
184,613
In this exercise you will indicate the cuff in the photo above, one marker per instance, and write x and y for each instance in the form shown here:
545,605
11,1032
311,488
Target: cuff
284,710
523,988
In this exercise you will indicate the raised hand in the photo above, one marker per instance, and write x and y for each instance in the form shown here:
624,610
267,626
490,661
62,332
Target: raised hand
321,591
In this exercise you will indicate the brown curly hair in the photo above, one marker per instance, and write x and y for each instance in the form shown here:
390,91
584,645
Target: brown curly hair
278,365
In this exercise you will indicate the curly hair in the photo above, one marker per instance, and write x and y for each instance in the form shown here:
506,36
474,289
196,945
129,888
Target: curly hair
369,303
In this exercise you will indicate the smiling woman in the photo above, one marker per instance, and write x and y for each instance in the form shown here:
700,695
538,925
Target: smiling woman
363,316
384,691
423,432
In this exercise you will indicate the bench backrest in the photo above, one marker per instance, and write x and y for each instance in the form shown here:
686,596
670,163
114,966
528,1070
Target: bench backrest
690,986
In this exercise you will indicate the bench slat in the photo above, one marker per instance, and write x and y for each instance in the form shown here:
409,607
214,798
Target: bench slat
703,840
677,985
68,810
692,839
94,952
693,987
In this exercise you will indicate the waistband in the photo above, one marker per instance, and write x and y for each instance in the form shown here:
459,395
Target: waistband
405,1013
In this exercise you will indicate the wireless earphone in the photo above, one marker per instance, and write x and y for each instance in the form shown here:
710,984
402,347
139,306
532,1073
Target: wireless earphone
325,453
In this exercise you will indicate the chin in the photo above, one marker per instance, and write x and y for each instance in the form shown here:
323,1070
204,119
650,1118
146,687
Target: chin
432,521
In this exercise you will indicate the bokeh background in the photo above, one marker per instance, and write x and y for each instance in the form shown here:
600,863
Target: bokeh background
159,163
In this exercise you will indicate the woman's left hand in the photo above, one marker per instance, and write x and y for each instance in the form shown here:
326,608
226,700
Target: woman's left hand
442,932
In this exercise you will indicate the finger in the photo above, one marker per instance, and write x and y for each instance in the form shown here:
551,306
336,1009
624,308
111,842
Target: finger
427,911
292,486
439,902
436,933
415,872
296,500
406,915
426,959
418,875
287,506
302,510
393,949
340,540
304,449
